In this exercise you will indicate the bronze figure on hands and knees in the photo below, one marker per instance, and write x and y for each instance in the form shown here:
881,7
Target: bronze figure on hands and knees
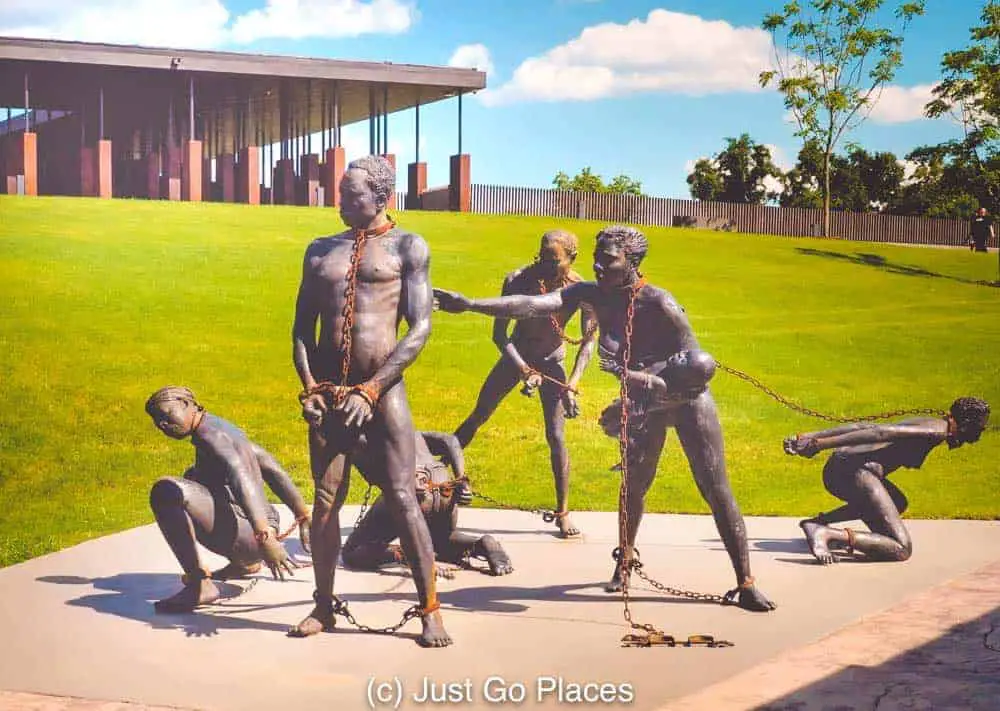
220,501
857,472
535,354
439,494
358,285
651,326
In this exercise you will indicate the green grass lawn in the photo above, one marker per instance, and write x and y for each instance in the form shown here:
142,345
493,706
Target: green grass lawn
105,301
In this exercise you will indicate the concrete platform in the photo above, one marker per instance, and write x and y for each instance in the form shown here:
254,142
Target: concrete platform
80,624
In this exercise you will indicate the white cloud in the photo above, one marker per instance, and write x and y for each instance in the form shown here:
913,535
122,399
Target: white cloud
200,23
667,52
298,19
472,56
779,157
192,23
899,104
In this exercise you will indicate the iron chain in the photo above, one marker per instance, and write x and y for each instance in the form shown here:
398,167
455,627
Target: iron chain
340,608
746,377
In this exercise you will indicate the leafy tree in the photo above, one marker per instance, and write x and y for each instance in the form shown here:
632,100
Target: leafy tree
824,68
586,181
864,182
802,182
970,91
738,173
705,180
939,186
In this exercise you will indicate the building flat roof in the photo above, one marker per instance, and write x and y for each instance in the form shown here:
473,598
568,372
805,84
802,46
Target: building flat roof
69,76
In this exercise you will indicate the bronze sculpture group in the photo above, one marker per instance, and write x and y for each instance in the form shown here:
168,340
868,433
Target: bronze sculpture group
356,288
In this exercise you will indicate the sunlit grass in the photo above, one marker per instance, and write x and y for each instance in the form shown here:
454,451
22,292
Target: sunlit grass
105,301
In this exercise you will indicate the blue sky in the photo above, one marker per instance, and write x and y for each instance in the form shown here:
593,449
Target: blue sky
623,86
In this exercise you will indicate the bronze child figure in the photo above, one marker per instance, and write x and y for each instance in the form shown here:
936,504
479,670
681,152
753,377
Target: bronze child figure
857,472
219,502
368,547
535,353
357,286
641,325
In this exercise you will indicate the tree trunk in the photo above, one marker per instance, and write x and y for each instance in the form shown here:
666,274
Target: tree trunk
826,193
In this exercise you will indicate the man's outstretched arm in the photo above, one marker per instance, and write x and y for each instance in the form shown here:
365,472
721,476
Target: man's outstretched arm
514,305
862,433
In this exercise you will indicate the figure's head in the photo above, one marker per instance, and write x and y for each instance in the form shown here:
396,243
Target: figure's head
617,256
971,415
557,253
174,410
365,190
981,211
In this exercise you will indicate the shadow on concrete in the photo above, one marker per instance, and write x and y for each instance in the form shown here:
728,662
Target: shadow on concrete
131,596
880,262
959,670
506,599
780,545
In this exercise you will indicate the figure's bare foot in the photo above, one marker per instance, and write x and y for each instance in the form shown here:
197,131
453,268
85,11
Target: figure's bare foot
321,619
434,634
236,570
615,584
495,556
818,536
754,600
194,594
565,526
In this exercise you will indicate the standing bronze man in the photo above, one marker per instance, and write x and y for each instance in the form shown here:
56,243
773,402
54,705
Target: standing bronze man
219,502
642,325
535,354
358,285
857,472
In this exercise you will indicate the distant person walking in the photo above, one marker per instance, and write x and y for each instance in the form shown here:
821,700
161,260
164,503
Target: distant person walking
980,231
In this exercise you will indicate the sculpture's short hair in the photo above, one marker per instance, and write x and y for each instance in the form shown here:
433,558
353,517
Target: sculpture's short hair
970,411
381,176
563,238
631,240
168,393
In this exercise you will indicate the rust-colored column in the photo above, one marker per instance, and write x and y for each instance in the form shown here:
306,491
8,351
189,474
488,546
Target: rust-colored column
333,171
103,170
416,182
29,162
309,182
151,173
248,176
88,172
225,172
283,184
191,171
460,183
21,161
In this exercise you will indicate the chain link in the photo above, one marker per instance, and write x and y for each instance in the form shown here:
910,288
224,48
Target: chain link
548,515
364,506
340,608
243,591
819,415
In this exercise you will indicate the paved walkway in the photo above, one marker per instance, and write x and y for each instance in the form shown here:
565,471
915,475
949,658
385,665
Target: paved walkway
81,633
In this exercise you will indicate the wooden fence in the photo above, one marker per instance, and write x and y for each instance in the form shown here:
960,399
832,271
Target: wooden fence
735,217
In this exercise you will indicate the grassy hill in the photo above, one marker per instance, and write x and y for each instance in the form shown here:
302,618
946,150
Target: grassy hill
105,301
